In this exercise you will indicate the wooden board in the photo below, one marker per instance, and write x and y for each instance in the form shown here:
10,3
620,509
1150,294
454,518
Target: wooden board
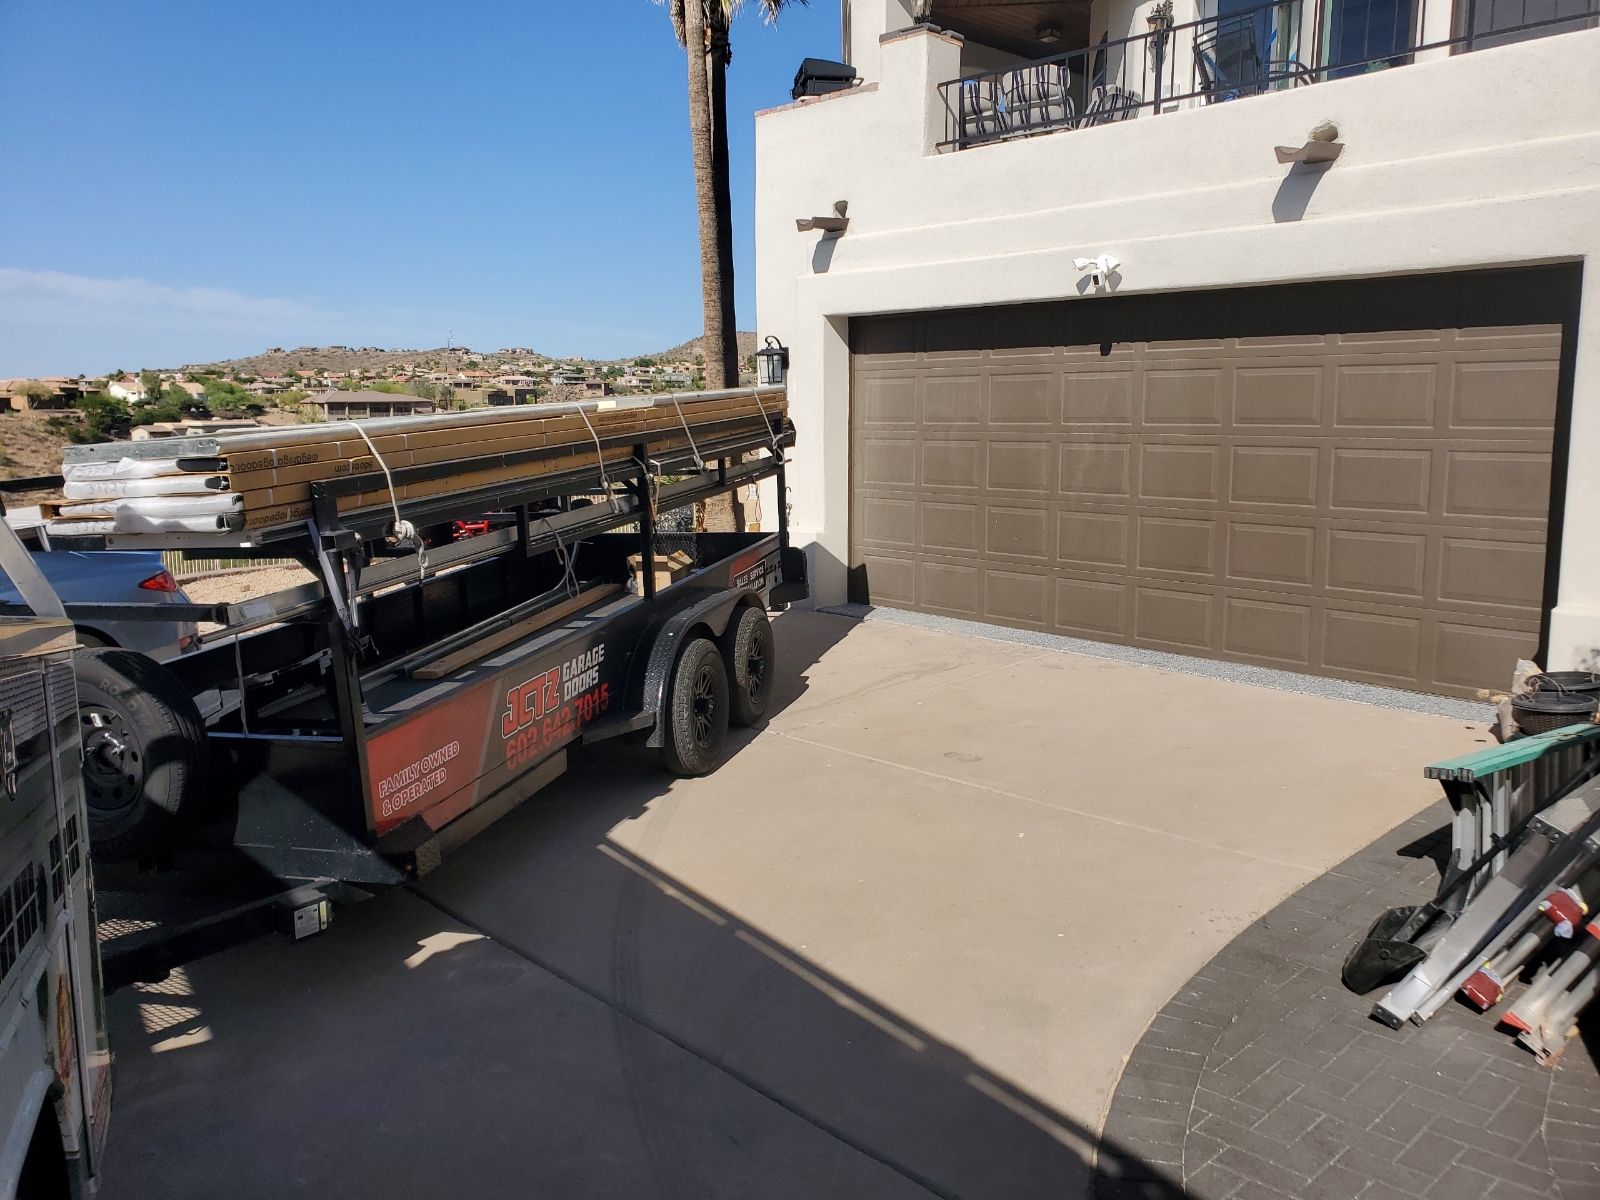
450,663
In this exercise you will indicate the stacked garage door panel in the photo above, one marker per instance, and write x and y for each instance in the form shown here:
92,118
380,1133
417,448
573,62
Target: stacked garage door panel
1368,505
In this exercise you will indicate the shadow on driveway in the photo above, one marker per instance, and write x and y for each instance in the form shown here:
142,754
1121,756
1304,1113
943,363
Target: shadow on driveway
549,1014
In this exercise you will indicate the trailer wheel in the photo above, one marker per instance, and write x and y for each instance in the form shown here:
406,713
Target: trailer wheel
751,654
697,710
144,750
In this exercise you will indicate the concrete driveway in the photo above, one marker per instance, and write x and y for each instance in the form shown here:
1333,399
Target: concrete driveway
899,944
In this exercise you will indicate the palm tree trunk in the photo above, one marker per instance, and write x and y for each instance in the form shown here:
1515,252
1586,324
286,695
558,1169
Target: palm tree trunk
716,299
721,350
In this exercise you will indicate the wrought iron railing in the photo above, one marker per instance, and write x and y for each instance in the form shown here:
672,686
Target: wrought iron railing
1247,52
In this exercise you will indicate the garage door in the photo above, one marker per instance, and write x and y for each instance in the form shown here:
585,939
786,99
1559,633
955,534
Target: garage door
1350,480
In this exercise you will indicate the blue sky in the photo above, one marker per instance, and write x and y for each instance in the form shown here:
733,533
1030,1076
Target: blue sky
187,180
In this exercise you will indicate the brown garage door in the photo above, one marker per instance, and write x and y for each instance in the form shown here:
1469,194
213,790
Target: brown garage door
1370,504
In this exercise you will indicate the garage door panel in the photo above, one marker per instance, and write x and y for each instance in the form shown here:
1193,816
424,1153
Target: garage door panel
1184,546
1018,466
1167,617
1392,481
1462,649
1094,607
1276,475
1382,565
952,526
1017,598
1180,472
1098,398
1018,532
1500,573
1370,504
1277,555
1488,483
887,402
1023,400
1503,396
1093,538
1372,645
1285,396
953,588
1388,396
1186,396
947,463
1102,469
1274,632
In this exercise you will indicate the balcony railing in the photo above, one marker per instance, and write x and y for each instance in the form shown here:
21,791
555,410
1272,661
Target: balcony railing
1248,52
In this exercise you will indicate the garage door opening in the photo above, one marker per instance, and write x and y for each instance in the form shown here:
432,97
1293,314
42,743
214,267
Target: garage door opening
1352,479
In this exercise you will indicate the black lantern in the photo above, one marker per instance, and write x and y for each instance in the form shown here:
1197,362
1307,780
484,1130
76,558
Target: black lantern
772,363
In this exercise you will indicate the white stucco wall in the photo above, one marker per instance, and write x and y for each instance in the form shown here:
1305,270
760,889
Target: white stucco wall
1478,160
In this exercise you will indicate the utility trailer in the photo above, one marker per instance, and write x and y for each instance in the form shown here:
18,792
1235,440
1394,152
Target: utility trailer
358,728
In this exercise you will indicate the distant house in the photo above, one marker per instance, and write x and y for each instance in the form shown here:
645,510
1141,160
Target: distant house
595,388
127,388
197,391
335,405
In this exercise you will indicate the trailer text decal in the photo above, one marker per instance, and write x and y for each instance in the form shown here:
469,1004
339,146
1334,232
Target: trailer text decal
548,709
415,780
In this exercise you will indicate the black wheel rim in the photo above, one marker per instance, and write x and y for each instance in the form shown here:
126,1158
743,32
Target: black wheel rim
705,705
113,761
755,668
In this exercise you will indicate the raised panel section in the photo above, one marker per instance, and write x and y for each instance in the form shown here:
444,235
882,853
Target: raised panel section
1278,396
1097,398
1264,629
1393,481
1095,539
1021,466
1175,544
1488,483
1483,572
888,402
1505,395
953,401
1179,472
950,464
1018,532
1277,554
1275,475
950,527
1467,655
953,587
1022,400
1095,468
1183,397
1390,563
891,581
886,463
889,520
1173,618
1091,606
1013,596
1387,396
1372,644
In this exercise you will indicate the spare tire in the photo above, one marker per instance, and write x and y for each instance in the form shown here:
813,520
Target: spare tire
144,751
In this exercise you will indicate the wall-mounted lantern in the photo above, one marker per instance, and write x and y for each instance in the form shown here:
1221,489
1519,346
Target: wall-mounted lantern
772,364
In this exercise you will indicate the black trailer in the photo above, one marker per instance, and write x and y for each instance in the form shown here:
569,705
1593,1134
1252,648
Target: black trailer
354,730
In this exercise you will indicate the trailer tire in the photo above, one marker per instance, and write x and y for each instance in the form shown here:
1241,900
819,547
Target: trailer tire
144,751
697,710
751,655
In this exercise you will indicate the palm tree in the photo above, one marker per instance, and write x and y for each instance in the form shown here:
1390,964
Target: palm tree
704,24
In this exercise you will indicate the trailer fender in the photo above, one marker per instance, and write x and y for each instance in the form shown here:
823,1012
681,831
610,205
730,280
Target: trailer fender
710,615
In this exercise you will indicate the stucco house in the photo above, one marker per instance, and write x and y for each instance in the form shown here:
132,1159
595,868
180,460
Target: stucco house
1250,332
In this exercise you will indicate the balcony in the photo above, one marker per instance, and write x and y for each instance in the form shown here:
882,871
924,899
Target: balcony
1239,52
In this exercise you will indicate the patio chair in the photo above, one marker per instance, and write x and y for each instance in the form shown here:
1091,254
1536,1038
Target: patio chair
1226,60
983,110
1108,103
1038,98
